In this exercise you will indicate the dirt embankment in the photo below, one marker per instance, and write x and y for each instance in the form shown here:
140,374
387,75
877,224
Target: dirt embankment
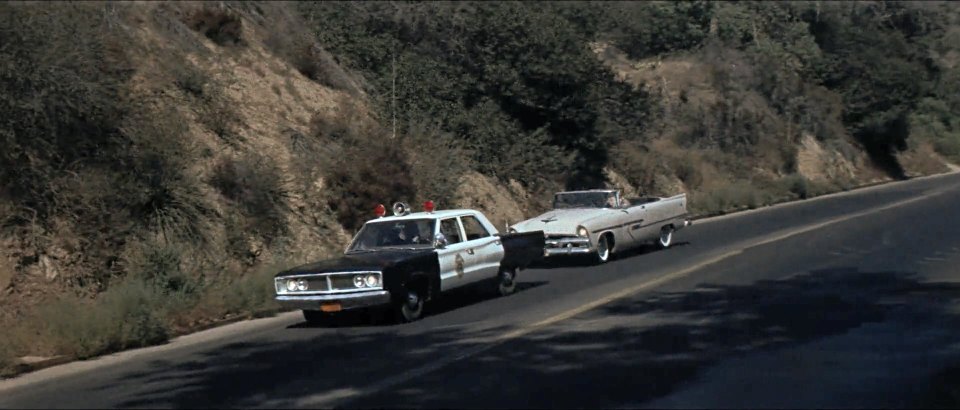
250,119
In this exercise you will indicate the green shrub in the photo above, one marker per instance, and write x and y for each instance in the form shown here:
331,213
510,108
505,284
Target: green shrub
249,293
218,115
7,357
644,29
366,175
518,86
949,147
161,189
223,26
687,170
366,166
162,265
797,185
252,292
255,185
437,160
933,121
128,315
732,197
61,97
190,79
290,39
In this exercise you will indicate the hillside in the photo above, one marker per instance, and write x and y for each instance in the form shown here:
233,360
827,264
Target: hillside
164,159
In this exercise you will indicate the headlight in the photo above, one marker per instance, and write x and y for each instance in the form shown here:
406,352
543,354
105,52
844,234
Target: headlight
581,231
291,285
301,285
371,280
358,281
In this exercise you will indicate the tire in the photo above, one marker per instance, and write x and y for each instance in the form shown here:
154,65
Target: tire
603,248
506,281
666,237
409,308
316,317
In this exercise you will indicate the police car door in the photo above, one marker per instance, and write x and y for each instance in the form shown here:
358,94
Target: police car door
452,257
485,250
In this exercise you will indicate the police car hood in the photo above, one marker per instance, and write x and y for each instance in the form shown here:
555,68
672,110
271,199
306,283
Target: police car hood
374,260
561,221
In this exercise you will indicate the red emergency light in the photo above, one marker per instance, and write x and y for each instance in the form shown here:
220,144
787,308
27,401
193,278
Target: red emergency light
428,206
380,210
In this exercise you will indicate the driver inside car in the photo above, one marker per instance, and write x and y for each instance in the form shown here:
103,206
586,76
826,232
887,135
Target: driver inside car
611,202
409,234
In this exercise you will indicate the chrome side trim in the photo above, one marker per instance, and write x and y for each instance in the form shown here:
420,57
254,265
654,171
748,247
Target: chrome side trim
567,251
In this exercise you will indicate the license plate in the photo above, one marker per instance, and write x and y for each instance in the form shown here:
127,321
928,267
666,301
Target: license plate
330,307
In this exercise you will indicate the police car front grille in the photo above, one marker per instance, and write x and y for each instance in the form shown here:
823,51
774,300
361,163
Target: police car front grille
342,282
317,283
334,282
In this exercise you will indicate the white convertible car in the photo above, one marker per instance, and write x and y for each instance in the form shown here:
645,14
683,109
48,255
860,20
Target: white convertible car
601,222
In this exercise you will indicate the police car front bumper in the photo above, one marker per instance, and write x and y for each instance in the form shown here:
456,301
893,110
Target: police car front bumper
342,301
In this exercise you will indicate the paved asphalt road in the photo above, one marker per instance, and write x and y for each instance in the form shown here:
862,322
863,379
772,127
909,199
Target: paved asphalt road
845,301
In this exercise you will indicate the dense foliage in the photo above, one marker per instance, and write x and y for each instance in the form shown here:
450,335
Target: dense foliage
520,87
511,78
104,172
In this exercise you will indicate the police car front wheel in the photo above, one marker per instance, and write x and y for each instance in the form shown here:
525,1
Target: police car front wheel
410,307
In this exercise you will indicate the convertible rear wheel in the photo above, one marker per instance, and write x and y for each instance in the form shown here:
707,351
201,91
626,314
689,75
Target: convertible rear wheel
666,236
603,249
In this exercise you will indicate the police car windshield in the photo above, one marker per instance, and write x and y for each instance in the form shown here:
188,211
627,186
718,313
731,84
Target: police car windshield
584,200
409,233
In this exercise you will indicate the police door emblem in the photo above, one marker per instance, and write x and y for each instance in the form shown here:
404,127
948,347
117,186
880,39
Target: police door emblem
458,265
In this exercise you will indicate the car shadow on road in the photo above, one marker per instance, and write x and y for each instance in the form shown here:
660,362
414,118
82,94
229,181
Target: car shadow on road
570,261
649,249
448,301
629,351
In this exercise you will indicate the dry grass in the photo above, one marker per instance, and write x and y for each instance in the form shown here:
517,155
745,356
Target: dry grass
726,142
223,174
128,315
138,311
6,275
181,229
437,163
922,159
7,357
290,40
250,294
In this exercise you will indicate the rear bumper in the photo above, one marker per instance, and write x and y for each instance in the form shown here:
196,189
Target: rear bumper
346,301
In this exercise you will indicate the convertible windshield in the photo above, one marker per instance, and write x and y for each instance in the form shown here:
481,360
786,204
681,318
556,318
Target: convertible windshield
565,200
404,233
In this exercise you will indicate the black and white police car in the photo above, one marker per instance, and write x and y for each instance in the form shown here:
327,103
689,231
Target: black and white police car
402,261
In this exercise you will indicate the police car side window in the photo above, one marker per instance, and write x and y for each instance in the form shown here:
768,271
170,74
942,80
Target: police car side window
450,230
473,228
